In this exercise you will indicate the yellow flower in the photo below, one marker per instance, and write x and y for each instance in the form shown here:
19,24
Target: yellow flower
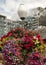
41,47
36,49
4,39
45,45
0,42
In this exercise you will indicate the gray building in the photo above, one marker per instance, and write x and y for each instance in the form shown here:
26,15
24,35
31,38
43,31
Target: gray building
6,25
31,22
2,25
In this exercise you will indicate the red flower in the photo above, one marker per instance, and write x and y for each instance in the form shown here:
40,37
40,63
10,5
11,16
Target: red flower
40,39
36,54
27,46
38,36
27,42
44,40
0,39
4,36
9,34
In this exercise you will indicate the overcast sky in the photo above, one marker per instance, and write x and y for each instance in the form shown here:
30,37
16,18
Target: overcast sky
10,7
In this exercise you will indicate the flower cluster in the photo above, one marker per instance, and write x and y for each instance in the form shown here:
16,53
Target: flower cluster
34,59
18,45
11,53
5,38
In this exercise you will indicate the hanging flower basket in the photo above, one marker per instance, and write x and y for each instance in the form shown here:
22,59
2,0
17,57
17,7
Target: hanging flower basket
22,47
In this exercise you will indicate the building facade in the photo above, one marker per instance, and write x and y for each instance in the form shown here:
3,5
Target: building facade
6,25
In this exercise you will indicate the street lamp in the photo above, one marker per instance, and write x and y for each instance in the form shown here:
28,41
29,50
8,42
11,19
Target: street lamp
22,12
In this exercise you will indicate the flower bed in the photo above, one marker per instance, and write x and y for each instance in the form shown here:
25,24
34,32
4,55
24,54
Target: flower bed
22,47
